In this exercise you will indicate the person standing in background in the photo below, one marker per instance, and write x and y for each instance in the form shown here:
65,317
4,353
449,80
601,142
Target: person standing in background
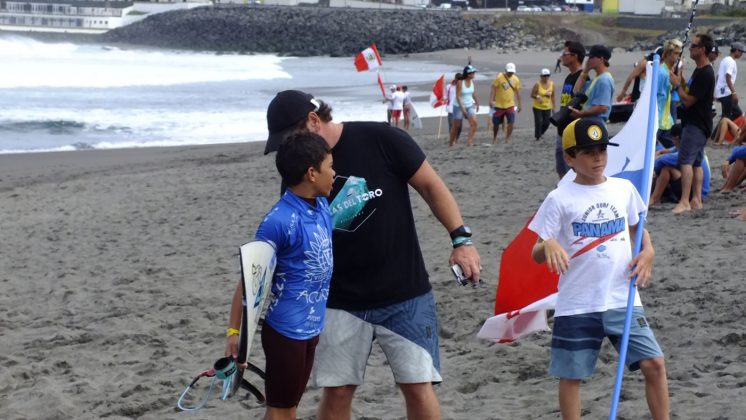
505,93
544,103
451,97
697,122
572,57
725,90
467,105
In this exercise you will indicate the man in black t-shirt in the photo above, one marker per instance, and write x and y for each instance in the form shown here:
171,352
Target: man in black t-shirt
697,122
380,288
572,58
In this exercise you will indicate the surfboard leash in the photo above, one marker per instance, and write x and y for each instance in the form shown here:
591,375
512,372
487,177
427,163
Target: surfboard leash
224,369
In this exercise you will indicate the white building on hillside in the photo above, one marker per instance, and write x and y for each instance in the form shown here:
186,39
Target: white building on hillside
63,15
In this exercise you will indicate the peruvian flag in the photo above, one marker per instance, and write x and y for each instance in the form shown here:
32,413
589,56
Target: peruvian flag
438,97
526,290
368,59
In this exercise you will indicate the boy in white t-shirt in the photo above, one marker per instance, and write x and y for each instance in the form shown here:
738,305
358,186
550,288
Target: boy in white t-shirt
585,230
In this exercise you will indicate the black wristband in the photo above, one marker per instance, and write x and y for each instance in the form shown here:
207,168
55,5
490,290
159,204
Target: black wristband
462,230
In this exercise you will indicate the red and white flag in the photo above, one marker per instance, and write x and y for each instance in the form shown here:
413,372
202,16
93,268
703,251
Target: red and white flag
368,59
438,97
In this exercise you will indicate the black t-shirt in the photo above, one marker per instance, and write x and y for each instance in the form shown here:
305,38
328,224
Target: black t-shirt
377,257
702,86
566,95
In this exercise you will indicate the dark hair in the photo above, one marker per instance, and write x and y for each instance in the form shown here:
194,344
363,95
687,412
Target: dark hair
573,151
576,48
676,130
324,112
404,88
297,153
707,42
459,76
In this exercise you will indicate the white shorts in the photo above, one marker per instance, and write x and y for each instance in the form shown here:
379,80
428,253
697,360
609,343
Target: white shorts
407,333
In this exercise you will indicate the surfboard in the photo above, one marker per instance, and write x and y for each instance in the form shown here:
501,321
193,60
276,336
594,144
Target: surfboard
258,261
414,119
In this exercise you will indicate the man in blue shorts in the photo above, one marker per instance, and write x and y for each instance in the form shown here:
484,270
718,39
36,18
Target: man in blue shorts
697,122
585,228
380,289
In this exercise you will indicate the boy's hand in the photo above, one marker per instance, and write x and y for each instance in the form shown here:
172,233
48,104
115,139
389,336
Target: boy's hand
231,350
642,267
557,258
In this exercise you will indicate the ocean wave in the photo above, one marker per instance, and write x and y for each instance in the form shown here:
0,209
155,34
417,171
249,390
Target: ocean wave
57,127
29,63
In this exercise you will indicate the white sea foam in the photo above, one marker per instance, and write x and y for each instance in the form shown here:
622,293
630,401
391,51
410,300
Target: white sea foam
30,63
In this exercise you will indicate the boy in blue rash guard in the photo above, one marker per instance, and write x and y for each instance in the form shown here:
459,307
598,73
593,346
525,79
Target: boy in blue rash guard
300,227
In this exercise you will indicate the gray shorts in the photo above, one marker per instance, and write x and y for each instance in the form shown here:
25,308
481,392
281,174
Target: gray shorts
407,333
692,148
576,341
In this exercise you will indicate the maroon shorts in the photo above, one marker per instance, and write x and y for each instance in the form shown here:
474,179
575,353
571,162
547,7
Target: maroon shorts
289,364
396,113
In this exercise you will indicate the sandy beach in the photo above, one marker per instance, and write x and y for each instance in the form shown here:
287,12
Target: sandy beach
117,269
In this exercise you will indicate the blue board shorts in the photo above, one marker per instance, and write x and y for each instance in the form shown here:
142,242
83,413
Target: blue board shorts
737,153
577,339
407,333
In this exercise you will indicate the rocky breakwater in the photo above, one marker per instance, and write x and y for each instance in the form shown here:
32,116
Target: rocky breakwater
312,31
724,35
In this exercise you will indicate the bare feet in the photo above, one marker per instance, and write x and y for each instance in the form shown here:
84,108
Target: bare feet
681,207
696,204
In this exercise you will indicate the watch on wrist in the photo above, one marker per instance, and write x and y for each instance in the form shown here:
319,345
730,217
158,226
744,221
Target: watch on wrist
463,231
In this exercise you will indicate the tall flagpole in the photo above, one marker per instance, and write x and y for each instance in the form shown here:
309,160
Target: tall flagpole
686,36
646,174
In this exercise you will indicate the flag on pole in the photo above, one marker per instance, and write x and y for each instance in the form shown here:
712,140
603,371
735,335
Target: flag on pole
526,289
368,59
380,85
438,97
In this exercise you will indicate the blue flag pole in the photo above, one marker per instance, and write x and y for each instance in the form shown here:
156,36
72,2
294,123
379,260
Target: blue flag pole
645,192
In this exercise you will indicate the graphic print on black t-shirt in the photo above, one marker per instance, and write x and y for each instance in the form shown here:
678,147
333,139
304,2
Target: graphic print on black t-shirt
349,207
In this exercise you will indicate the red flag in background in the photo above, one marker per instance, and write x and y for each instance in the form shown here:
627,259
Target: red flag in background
380,84
438,97
368,59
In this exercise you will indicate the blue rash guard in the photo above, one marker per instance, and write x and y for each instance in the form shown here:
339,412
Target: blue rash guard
300,287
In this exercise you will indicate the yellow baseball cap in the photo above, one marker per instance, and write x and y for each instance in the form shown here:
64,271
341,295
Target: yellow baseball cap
585,132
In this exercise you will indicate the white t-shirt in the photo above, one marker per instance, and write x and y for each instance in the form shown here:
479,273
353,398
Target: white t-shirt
591,222
390,98
727,66
397,102
451,94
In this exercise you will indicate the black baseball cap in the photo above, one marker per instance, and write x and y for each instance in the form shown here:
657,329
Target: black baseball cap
658,51
287,109
585,132
599,50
